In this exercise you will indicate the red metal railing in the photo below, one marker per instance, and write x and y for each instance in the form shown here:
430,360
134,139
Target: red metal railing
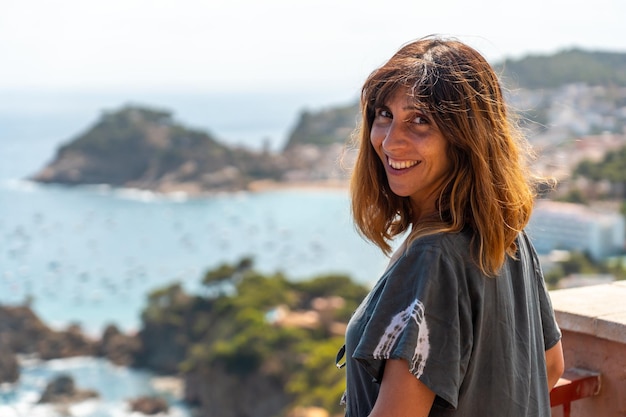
574,384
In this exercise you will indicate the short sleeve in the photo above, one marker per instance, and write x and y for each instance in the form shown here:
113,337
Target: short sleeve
420,316
551,330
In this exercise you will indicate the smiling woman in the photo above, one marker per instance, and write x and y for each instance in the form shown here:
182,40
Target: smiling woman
462,312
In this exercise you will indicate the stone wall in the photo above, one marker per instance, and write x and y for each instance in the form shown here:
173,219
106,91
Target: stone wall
593,322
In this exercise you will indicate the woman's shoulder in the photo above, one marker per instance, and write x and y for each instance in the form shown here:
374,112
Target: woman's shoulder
434,251
440,260
443,242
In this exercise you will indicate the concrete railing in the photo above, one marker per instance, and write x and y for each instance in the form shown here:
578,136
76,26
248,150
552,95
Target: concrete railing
593,322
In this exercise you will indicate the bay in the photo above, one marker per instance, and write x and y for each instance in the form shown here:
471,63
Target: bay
91,255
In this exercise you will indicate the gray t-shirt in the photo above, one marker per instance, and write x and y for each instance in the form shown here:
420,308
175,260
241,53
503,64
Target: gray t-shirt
477,342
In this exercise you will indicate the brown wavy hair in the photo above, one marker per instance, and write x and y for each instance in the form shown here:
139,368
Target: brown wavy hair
489,190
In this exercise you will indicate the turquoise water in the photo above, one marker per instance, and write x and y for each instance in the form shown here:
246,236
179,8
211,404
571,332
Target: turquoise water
91,255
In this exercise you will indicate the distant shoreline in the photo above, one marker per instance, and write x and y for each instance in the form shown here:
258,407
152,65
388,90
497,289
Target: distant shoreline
270,185
183,192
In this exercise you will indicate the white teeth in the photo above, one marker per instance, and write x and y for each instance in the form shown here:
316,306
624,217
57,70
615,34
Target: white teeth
401,164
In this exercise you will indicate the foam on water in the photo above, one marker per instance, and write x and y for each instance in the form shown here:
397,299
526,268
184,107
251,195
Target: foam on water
114,384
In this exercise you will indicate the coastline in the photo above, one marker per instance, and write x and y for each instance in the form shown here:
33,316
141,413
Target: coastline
260,186
186,191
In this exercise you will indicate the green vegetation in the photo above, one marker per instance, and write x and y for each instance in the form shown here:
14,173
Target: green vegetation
565,67
580,263
610,171
574,196
612,168
235,327
325,127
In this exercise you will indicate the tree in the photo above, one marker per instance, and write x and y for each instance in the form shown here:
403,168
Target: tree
612,168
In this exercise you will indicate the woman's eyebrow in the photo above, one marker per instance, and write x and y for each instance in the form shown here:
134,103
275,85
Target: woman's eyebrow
416,107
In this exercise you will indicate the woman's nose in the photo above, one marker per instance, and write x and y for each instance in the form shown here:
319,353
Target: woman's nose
394,136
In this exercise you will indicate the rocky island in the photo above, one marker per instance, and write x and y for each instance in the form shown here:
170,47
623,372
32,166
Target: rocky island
145,148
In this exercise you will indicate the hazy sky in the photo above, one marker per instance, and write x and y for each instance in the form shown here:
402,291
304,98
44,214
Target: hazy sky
295,44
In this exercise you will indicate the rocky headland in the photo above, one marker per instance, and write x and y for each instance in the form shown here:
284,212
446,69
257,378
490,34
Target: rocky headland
145,148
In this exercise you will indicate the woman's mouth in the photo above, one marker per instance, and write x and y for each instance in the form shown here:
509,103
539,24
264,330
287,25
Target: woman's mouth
401,164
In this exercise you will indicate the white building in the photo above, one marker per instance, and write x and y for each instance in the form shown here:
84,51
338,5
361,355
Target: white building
575,227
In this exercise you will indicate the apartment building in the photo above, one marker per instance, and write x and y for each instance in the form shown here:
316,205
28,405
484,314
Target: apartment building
576,227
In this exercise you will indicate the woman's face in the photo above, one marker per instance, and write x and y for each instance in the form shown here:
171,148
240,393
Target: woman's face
412,149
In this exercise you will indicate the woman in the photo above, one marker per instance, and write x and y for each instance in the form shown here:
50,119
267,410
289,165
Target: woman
460,323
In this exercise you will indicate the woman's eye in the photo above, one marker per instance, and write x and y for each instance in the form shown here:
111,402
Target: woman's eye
383,113
420,120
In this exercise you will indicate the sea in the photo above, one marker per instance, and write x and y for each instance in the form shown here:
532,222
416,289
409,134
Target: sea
92,255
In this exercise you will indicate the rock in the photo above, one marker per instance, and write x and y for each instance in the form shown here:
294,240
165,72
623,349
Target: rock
149,405
118,347
67,343
63,390
9,367
21,330
217,393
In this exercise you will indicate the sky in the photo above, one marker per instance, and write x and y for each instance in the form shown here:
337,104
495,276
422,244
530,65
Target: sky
238,45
